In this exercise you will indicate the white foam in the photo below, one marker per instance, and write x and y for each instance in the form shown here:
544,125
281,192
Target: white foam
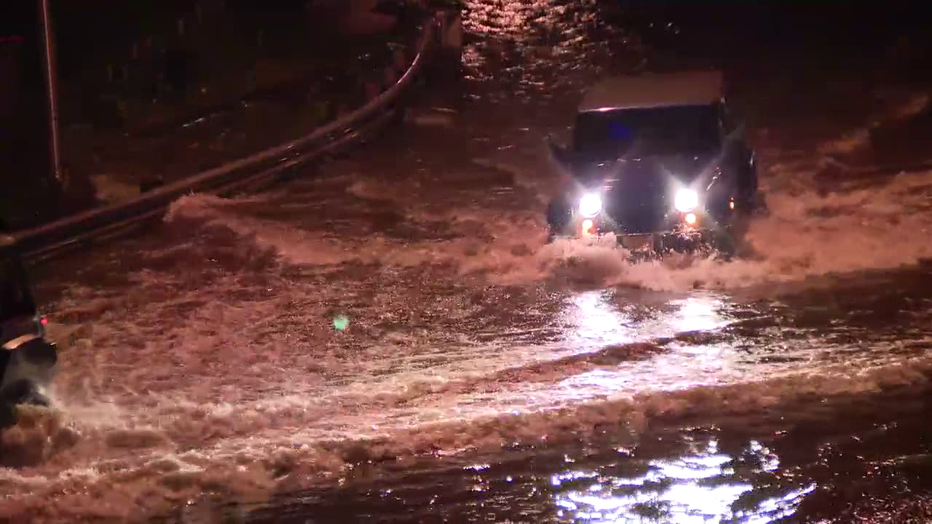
885,225
897,110
195,416
392,399
292,244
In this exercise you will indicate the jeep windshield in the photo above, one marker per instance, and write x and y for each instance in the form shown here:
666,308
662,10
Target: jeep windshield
600,135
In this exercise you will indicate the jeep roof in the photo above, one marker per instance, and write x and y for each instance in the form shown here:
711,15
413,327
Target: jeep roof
654,90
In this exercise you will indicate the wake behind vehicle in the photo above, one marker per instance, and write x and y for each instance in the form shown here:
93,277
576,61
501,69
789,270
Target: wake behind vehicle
27,359
656,160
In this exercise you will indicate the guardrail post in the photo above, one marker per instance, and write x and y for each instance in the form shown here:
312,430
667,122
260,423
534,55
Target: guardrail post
51,87
450,59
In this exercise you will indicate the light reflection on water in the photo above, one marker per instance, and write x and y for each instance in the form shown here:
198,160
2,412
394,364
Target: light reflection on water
535,45
598,323
706,486
529,20
699,313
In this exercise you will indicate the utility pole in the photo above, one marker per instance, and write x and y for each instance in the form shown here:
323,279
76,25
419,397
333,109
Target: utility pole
51,86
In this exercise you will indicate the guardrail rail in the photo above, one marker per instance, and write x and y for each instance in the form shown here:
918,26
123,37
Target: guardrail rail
251,172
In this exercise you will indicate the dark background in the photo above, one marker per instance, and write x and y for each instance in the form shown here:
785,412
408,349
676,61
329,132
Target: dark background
24,130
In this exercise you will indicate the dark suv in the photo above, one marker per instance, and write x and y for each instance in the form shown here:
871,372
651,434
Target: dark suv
656,161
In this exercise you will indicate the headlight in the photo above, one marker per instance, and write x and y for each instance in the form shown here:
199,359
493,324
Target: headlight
590,205
686,200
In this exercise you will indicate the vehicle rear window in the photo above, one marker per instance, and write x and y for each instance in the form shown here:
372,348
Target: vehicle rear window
649,131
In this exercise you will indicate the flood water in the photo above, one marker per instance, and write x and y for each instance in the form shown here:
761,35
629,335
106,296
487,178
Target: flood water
389,338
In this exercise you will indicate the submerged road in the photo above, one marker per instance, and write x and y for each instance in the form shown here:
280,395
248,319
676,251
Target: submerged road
390,339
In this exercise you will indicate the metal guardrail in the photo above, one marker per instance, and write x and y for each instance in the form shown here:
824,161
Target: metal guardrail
74,231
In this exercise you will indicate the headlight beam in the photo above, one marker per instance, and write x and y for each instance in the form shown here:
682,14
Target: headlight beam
590,205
